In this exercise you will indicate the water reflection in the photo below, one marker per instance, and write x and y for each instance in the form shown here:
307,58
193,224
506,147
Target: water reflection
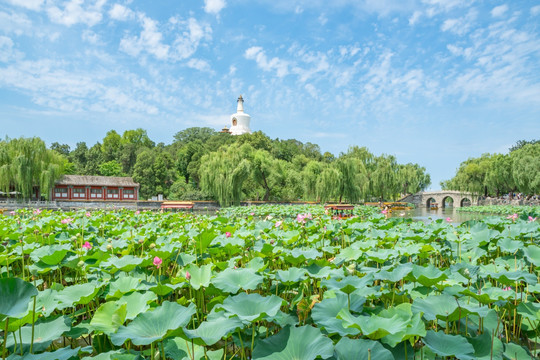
426,215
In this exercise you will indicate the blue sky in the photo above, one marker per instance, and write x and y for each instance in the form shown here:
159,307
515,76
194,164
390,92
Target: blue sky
430,81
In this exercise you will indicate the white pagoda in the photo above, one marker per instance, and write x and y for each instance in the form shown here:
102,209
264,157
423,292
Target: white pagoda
240,120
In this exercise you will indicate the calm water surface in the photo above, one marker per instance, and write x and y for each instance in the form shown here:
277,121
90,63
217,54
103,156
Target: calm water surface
427,215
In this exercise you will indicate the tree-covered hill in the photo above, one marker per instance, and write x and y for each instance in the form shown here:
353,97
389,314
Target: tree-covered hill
203,164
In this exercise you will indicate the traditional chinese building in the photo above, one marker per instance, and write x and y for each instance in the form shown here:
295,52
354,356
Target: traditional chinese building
83,187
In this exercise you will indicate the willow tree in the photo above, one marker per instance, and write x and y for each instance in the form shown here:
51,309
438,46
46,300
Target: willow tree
526,168
26,163
310,175
222,174
413,178
384,181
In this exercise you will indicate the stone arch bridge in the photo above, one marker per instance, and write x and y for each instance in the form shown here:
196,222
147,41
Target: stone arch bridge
458,198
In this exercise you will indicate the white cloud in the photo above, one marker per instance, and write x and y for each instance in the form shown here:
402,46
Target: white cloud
90,37
29,4
199,64
499,10
415,17
186,44
460,26
6,48
120,12
214,6
535,10
150,40
76,11
15,23
257,53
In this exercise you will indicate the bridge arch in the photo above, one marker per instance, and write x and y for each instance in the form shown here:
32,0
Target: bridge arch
429,201
465,202
448,199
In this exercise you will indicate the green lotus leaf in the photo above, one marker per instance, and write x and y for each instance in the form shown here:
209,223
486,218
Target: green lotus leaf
511,277
179,349
232,280
211,331
348,284
257,264
398,273
532,252
291,275
47,302
44,333
109,317
428,275
200,276
50,254
318,272
488,295
65,353
509,245
415,325
531,315
154,325
124,285
299,343
15,294
449,345
324,315
115,355
515,352
382,255
77,294
124,263
251,307
443,307
374,327
184,259
136,303
360,349
486,348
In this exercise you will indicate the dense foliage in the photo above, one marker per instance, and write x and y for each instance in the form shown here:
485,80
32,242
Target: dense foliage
533,211
27,165
284,285
498,174
202,164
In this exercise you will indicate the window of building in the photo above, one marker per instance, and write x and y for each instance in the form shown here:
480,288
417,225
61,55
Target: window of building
112,193
60,192
129,194
96,193
79,193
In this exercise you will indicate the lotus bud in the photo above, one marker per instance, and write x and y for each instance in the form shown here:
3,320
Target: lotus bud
170,232
80,263
73,238
152,245
109,247
109,240
78,234
188,275
141,241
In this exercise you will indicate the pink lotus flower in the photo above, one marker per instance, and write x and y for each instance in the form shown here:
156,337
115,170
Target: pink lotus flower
278,223
66,221
448,220
508,288
512,217
88,214
188,275
384,212
87,245
157,262
531,219
137,212
228,234
252,213
12,213
302,218
37,212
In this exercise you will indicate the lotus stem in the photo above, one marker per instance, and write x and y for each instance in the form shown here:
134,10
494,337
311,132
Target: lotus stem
5,339
33,324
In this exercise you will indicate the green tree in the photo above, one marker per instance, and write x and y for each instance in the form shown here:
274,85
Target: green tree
499,178
526,168
413,178
192,134
111,146
222,174
26,163
384,180
62,149
111,168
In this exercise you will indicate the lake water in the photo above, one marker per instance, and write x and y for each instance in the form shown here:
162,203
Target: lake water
426,215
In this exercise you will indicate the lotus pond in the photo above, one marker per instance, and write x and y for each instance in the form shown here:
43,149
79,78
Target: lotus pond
285,283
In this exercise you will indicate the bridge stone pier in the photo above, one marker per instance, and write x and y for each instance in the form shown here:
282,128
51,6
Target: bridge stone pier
458,198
